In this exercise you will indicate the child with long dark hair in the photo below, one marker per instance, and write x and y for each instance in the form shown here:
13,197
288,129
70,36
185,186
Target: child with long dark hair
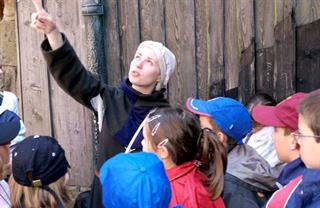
194,158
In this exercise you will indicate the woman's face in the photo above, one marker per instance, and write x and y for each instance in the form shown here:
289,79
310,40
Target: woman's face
144,71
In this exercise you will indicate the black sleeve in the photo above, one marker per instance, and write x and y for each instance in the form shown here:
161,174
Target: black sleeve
70,74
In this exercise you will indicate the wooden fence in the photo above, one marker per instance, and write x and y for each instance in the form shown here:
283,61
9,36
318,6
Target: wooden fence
223,47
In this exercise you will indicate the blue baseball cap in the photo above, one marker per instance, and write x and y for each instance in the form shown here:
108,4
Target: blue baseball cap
8,131
38,158
230,115
134,180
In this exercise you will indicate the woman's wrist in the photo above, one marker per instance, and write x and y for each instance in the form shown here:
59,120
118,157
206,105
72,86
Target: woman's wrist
55,39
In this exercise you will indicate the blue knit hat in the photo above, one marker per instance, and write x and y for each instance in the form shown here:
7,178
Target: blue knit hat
134,180
230,115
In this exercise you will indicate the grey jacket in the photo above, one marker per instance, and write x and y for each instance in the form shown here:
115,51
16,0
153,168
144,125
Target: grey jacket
249,180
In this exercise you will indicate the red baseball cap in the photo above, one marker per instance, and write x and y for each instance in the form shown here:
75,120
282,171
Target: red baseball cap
285,114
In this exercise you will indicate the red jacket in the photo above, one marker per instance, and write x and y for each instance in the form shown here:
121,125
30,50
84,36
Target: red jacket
187,188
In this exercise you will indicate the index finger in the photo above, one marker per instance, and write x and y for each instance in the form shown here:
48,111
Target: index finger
38,5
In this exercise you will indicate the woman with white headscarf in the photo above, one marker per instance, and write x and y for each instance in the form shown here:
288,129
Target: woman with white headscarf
121,109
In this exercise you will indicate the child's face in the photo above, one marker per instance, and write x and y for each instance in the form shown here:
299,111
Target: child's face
146,142
309,147
207,122
4,153
282,142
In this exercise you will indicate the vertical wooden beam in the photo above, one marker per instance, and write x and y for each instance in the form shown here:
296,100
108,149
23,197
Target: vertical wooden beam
307,11
71,120
308,57
216,48
232,47
113,45
34,84
180,27
202,47
129,31
247,60
285,55
152,20
264,16
283,9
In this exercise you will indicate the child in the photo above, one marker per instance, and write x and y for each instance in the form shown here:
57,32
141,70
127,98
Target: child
284,117
308,136
303,190
120,109
8,131
39,174
8,110
134,180
247,181
194,159
260,137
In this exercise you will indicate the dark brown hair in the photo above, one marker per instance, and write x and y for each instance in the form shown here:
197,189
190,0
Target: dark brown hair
260,98
187,142
309,108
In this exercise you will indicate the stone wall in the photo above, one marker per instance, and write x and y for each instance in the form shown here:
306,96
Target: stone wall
8,50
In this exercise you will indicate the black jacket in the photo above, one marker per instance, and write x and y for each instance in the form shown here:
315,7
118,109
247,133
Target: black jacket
120,109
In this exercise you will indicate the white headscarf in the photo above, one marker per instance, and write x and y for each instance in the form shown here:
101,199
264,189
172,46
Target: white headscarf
167,61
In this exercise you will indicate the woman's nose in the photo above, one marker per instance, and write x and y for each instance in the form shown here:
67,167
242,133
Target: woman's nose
140,63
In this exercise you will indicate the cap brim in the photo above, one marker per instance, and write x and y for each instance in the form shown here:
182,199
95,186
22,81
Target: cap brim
198,107
266,115
8,131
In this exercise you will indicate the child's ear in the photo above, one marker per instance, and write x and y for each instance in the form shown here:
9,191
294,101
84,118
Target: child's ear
66,178
293,143
223,138
163,153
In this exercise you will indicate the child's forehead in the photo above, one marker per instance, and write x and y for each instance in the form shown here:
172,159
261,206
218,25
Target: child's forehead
303,122
283,130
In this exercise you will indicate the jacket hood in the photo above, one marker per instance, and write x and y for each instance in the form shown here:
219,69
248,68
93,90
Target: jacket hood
247,165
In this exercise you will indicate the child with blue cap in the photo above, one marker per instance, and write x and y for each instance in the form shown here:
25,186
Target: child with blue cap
8,131
39,174
135,180
247,181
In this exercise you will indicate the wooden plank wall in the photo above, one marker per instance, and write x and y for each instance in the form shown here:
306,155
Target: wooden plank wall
47,110
308,45
223,47
220,45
